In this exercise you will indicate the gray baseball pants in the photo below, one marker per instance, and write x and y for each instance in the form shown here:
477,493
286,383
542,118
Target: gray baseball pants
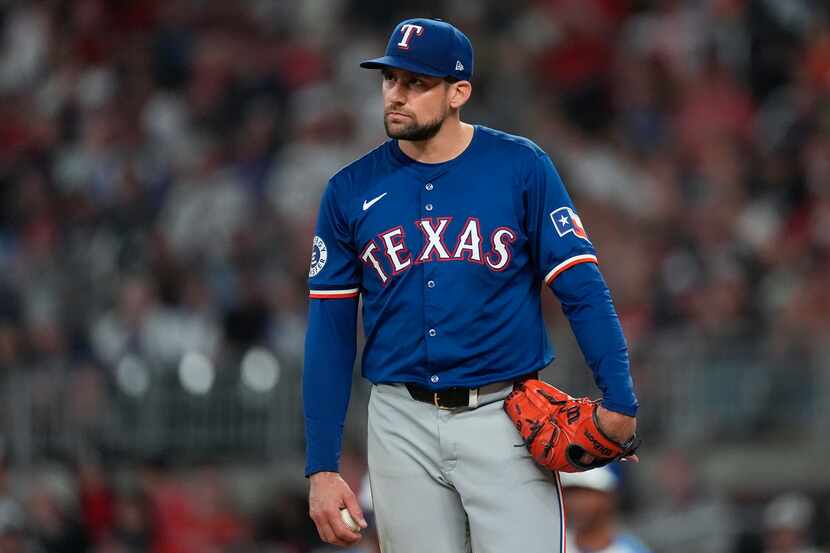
452,481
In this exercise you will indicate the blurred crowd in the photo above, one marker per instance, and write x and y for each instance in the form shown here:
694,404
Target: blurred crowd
161,163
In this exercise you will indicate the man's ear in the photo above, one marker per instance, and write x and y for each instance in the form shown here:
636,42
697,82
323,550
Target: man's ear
460,93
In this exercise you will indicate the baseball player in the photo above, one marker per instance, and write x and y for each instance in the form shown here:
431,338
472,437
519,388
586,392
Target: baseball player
448,231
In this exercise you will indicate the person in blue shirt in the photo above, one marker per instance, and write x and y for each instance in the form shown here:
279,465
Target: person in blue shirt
447,233
592,522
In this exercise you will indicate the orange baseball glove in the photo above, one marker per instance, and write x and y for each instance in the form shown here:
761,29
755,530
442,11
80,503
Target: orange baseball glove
559,430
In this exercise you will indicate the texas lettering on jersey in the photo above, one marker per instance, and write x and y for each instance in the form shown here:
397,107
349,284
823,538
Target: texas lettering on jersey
468,247
448,259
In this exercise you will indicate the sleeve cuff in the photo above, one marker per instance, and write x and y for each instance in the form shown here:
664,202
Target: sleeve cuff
567,264
625,409
333,294
314,469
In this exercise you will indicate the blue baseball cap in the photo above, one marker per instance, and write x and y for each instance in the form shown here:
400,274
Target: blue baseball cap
428,47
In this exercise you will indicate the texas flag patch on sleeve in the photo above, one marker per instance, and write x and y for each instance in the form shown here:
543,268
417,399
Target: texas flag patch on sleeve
565,220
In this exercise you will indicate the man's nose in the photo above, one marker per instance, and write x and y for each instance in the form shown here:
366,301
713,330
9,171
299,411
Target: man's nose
396,94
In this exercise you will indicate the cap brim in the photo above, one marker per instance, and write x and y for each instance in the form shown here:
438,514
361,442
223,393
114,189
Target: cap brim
601,479
401,63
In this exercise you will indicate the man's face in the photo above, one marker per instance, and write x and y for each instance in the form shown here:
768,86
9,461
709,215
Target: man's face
586,509
414,106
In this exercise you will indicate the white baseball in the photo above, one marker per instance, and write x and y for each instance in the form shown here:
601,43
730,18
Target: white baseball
348,520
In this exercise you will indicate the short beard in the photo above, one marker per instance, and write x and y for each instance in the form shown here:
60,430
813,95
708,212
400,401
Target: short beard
415,132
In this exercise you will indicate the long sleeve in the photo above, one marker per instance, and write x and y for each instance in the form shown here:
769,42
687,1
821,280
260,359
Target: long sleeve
586,302
330,348
567,262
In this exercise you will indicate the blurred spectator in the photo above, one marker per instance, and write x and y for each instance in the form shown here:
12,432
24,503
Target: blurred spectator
193,514
96,500
786,523
13,538
132,530
682,512
12,528
592,518
55,515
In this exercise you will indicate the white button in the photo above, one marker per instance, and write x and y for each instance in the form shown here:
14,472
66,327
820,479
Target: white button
430,284
434,378
428,207
428,186
432,332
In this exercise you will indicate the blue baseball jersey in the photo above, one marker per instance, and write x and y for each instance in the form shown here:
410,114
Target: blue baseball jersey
448,258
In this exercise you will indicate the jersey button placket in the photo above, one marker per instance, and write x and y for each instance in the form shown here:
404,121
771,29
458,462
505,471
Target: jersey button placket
428,187
427,198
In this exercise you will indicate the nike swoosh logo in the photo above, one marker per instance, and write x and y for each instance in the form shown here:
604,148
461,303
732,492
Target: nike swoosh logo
373,201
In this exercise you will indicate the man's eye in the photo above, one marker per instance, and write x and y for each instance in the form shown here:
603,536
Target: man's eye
418,82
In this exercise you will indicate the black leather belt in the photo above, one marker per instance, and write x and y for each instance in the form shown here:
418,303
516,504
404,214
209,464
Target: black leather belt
459,396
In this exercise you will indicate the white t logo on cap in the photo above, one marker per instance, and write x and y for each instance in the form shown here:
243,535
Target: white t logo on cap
407,34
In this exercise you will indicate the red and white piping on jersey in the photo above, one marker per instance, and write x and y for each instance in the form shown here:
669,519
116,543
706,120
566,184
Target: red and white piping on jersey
333,294
567,264
562,527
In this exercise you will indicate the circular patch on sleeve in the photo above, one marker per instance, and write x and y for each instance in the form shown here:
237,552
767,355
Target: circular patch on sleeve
319,254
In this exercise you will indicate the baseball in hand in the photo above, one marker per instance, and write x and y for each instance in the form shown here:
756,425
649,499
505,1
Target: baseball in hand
348,520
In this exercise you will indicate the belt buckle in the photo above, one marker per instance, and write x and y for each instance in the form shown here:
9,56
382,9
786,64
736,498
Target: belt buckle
472,402
472,399
438,405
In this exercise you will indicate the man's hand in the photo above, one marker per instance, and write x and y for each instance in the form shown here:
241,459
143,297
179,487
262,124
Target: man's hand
618,427
328,493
